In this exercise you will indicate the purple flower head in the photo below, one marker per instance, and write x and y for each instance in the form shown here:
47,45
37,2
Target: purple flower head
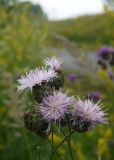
94,96
34,77
111,76
53,62
72,77
55,106
105,52
90,112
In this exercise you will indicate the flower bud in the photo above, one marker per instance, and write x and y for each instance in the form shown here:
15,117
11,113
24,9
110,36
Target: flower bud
57,82
41,91
64,121
79,124
112,60
102,64
35,123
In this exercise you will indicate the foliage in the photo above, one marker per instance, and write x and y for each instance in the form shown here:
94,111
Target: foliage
24,41
91,30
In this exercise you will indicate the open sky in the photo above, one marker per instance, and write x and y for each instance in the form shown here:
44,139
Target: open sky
62,9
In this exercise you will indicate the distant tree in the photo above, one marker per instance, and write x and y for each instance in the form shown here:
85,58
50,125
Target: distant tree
28,7
31,9
8,2
109,3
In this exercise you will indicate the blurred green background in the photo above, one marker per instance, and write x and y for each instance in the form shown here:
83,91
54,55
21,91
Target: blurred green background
26,37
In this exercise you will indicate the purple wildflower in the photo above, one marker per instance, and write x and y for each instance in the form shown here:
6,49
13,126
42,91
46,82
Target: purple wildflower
73,77
89,111
111,76
55,106
105,52
36,76
53,62
94,96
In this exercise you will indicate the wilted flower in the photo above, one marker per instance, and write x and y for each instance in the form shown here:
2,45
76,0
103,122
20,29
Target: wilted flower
35,77
94,96
55,106
73,77
53,62
86,114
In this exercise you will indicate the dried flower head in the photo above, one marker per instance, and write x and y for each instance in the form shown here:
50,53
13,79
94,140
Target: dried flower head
86,114
34,77
55,106
53,63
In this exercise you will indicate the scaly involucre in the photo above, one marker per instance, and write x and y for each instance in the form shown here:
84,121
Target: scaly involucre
55,106
53,63
89,111
36,76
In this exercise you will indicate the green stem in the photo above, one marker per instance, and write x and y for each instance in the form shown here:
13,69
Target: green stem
63,132
39,149
52,135
70,148
66,138
99,157
69,141
27,144
55,149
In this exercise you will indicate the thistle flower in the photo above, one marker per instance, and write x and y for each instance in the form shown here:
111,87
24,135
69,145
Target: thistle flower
86,114
73,77
53,62
105,52
55,106
35,77
94,96
111,76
